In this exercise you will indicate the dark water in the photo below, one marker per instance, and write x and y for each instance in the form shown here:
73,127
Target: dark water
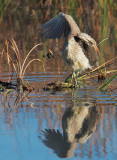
72,123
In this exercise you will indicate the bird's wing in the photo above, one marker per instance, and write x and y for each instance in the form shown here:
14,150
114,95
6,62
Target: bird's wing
90,47
62,24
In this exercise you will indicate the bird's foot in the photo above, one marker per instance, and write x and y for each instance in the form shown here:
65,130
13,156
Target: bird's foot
77,83
75,79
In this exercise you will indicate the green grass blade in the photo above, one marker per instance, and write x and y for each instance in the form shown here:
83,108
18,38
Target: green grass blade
107,82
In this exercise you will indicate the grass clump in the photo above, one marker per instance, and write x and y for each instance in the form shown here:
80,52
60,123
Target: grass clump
17,66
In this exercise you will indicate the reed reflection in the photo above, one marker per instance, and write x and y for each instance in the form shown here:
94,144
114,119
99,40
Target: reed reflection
78,123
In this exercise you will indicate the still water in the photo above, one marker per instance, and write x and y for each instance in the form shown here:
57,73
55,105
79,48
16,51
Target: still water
80,123
43,125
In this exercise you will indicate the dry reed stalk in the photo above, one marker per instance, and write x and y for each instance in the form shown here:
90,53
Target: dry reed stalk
30,63
22,68
18,67
10,61
98,68
107,72
16,50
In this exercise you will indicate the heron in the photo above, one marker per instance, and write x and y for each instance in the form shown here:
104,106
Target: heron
80,51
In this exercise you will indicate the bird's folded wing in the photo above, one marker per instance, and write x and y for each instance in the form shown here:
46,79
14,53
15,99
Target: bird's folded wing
93,51
56,28
94,58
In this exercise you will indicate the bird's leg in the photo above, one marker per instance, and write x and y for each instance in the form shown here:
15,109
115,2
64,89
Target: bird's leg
74,77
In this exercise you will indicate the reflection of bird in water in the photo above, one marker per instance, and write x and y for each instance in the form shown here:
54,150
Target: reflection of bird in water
80,50
78,122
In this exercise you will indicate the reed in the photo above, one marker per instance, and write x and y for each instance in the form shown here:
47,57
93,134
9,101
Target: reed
16,65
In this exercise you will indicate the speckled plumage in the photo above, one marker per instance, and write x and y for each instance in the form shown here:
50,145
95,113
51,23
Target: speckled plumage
74,56
79,51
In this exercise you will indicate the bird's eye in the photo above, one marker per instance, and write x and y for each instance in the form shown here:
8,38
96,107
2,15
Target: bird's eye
77,39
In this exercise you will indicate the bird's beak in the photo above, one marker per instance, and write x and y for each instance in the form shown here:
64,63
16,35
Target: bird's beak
97,50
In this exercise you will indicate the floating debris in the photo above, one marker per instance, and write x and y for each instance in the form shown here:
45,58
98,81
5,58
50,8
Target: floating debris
58,86
7,85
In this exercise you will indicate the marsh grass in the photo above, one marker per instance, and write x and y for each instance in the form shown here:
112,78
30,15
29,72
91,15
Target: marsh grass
18,67
22,66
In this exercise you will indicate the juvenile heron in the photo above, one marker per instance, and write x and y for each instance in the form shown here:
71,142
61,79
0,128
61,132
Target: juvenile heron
79,51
